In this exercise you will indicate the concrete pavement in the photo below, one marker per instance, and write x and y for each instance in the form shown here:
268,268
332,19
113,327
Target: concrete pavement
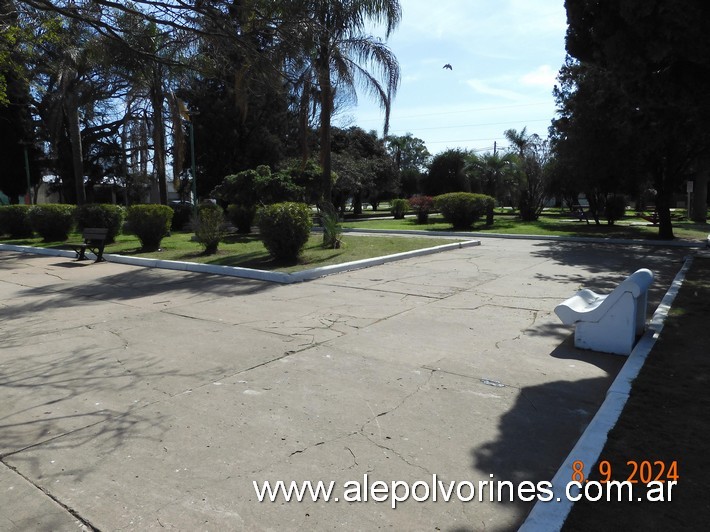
138,399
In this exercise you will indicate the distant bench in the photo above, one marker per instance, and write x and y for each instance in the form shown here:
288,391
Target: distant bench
94,241
609,323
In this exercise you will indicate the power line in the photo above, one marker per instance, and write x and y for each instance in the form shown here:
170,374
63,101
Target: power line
475,109
482,125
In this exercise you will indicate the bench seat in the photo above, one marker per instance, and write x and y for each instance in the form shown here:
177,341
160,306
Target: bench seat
609,323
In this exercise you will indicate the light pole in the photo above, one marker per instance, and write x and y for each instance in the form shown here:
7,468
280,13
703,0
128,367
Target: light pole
27,170
194,166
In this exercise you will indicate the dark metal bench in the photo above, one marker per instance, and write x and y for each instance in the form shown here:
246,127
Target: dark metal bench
94,241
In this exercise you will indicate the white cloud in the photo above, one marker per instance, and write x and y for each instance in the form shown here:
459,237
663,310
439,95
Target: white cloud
542,76
485,88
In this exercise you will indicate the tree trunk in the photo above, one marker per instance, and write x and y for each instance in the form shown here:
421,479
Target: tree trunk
326,111
156,100
71,110
699,210
663,208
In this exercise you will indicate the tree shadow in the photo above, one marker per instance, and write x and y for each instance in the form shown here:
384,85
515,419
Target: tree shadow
77,398
603,266
537,433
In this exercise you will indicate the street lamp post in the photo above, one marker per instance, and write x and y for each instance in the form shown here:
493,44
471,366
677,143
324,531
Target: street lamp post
194,166
27,171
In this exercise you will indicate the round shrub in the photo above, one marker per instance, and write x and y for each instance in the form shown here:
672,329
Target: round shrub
285,228
422,205
14,221
462,209
52,221
150,223
399,207
241,216
209,226
100,215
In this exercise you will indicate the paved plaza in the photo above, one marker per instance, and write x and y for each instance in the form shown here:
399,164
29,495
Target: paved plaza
146,399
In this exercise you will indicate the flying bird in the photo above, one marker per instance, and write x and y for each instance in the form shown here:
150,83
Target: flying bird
447,65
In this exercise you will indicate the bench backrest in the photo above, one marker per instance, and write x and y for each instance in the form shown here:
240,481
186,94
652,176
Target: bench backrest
590,306
94,233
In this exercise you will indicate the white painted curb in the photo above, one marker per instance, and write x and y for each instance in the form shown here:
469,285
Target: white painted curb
248,273
550,516
552,238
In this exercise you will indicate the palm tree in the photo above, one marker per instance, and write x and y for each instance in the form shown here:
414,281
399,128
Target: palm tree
495,173
521,140
332,42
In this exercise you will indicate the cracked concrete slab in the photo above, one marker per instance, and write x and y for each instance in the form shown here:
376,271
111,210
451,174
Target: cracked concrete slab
138,399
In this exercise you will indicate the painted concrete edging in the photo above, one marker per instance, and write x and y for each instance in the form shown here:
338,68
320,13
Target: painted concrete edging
552,238
248,273
551,515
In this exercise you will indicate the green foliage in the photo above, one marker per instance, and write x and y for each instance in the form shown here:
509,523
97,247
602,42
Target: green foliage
285,228
332,230
615,209
462,209
181,216
14,221
150,223
52,221
242,217
100,215
399,207
260,186
422,205
209,226
447,173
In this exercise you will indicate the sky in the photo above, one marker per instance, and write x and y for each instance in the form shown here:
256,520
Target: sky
504,54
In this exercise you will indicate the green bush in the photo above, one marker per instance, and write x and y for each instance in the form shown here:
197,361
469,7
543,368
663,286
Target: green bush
150,223
399,207
182,213
100,215
462,209
285,228
14,221
615,209
52,221
332,230
241,216
209,226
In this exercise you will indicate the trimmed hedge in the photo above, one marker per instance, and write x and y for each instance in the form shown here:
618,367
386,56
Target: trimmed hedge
285,228
462,209
14,221
399,207
209,226
52,221
150,223
100,215
422,205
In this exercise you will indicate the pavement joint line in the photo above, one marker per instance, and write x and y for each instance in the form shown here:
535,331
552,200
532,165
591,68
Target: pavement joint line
85,523
551,515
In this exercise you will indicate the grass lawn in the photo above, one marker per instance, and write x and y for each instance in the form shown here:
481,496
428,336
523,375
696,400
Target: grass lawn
247,250
550,223
666,419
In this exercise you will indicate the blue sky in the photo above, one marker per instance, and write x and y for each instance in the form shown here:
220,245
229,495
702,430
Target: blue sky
505,56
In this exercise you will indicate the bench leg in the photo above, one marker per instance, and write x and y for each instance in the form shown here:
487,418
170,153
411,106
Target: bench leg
81,253
100,254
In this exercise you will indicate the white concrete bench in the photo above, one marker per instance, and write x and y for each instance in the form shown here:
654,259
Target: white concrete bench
609,323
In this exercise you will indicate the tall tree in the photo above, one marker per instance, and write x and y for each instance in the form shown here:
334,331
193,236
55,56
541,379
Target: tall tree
659,55
330,37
